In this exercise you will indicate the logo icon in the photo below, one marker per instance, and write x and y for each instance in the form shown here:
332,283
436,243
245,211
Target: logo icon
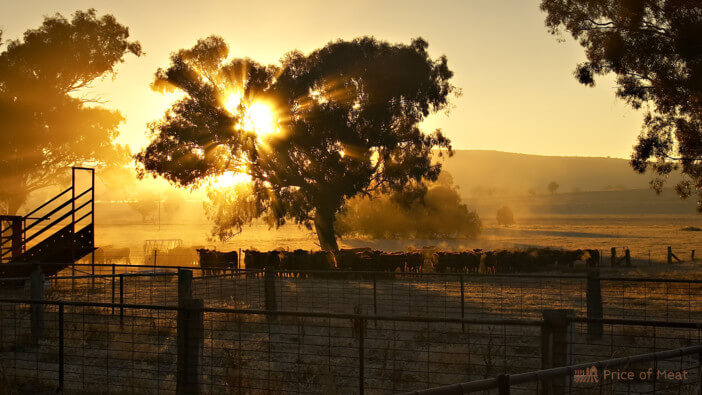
588,375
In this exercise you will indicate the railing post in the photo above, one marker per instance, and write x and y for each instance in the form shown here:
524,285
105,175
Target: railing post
463,305
627,257
37,309
60,349
594,303
113,288
269,285
190,345
375,298
360,328
613,260
556,347
73,276
121,299
185,285
503,387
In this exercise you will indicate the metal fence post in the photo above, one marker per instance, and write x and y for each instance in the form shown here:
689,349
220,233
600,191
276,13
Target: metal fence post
375,298
556,347
627,257
113,287
613,260
269,285
185,285
360,325
594,303
503,387
463,305
60,349
190,346
121,299
37,309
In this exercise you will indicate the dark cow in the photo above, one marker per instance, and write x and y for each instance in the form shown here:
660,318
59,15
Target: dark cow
257,260
214,262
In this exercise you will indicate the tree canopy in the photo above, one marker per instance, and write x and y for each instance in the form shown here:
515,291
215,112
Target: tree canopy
655,49
46,125
346,121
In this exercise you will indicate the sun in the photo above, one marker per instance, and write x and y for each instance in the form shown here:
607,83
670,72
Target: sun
260,119
230,179
259,116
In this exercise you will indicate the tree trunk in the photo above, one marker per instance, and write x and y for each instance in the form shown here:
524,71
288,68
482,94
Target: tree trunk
324,226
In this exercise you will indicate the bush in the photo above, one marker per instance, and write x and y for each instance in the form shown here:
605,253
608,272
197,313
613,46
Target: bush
437,213
505,216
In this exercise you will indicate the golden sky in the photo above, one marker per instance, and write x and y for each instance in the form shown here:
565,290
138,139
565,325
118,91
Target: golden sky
519,94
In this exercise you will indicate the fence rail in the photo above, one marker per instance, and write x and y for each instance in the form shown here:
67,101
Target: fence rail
187,347
504,383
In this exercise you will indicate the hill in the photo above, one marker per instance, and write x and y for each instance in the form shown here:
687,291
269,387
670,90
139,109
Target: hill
591,186
480,171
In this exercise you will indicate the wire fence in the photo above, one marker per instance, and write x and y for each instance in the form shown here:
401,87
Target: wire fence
104,347
418,294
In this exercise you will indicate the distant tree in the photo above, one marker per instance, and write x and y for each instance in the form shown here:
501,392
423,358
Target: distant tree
46,125
654,49
147,206
505,216
348,115
439,213
553,187
532,192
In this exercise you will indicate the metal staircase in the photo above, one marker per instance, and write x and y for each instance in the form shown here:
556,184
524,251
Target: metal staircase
57,233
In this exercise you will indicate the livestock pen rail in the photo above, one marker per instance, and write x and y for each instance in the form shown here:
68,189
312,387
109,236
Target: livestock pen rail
105,347
420,294
669,371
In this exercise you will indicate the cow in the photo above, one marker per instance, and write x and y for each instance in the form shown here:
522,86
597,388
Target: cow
214,262
109,254
257,260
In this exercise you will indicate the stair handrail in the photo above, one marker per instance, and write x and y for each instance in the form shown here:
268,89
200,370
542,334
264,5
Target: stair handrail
54,223
51,225
45,204
52,212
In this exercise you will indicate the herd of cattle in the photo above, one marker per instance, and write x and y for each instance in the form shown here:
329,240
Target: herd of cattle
366,259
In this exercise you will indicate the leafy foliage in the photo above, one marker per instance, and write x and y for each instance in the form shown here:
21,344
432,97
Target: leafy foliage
45,125
438,213
655,50
347,115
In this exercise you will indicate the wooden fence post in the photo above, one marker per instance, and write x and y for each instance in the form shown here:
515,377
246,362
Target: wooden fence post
594,303
190,346
556,347
37,309
627,257
692,255
670,255
614,256
269,285
185,285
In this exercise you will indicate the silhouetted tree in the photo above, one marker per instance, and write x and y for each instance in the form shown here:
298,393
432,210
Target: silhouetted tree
553,187
348,115
46,125
505,216
655,50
